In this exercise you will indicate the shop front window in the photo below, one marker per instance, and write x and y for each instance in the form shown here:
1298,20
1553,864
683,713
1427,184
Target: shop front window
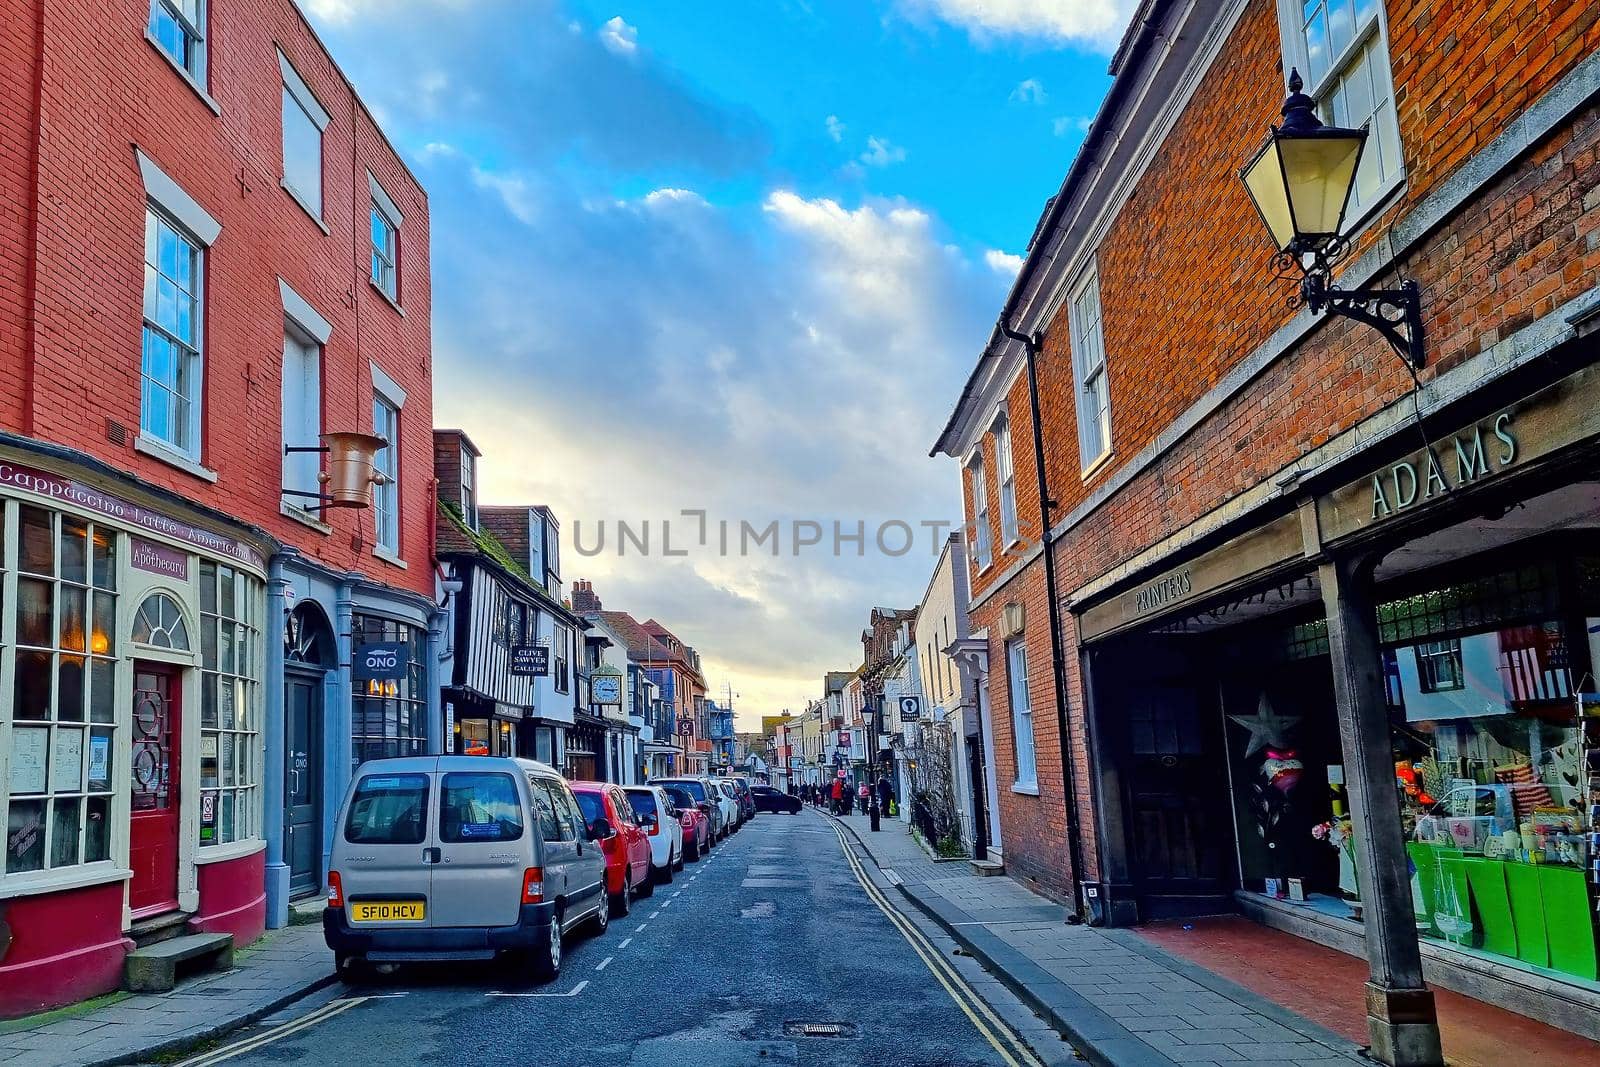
231,660
62,706
389,716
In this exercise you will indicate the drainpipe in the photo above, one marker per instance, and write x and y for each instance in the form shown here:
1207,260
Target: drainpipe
1069,770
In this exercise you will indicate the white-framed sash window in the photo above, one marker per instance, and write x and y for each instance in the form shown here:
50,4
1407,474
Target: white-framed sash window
1089,368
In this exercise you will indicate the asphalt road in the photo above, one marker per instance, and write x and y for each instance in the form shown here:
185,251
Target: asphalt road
773,930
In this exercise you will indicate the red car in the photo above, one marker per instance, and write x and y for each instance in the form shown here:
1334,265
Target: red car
696,827
627,850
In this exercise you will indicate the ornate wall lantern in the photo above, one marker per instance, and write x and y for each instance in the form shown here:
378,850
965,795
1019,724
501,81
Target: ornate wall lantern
1300,182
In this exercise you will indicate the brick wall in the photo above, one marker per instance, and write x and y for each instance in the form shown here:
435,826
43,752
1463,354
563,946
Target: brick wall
105,88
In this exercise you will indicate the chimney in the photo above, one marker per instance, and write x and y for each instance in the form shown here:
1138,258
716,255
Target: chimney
583,598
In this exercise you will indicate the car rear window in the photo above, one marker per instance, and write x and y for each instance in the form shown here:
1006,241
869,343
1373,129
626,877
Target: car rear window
679,797
591,806
478,806
642,801
694,789
388,809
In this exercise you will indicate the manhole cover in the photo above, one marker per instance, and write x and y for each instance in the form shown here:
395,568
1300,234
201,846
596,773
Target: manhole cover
819,1029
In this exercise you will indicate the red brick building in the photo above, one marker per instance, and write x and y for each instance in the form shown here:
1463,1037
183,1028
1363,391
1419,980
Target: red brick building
208,251
1296,585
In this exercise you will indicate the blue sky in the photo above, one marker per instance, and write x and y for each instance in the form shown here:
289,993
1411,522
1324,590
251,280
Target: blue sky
735,257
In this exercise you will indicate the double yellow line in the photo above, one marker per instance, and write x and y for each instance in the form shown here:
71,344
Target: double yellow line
1012,1049
276,1033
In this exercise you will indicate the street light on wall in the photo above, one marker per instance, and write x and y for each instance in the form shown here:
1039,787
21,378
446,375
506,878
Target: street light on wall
1300,183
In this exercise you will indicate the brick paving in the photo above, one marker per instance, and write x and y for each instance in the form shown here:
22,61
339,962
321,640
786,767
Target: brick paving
1120,998
280,967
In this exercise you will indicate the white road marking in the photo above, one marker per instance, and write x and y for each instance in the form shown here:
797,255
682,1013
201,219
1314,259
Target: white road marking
625,942
678,894
665,904
640,928
653,914
574,991
603,964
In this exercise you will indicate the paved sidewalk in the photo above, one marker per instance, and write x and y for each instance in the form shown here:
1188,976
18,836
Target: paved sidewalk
1122,1000
122,1028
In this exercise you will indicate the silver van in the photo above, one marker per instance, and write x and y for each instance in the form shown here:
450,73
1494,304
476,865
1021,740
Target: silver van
460,858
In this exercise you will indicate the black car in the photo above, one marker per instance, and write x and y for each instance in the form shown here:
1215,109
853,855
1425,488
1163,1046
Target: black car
770,799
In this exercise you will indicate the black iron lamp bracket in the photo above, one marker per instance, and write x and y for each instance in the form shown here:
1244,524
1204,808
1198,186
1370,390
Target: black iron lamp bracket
1394,313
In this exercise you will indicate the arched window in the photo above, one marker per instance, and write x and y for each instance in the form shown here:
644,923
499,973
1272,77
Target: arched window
307,637
160,623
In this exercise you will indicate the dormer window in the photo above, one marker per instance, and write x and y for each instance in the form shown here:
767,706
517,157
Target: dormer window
469,489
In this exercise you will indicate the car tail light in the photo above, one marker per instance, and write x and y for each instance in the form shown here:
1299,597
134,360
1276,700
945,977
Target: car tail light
335,890
533,885
655,827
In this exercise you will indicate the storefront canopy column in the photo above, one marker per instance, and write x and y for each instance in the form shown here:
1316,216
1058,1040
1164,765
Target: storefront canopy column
1401,1017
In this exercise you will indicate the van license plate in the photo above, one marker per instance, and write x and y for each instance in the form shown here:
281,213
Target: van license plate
388,911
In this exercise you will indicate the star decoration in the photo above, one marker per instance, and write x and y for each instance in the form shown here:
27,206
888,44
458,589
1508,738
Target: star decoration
1266,727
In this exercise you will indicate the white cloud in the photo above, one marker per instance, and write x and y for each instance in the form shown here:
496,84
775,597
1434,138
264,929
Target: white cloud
619,37
1066,124
882,153
835,128
1096,22
668,197
1004,263
1028,91
514,192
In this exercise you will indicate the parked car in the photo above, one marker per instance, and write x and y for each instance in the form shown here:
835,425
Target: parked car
706,794
732,817
459,857
696,824
770,799
741,785
659,820
626,846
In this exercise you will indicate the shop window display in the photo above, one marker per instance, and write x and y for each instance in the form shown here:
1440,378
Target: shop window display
388,717
62,707
1492,739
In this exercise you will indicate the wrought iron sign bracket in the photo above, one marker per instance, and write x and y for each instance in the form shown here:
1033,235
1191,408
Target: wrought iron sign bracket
1394,313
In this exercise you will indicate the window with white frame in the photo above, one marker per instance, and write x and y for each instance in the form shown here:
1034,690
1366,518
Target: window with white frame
980,512
232,661
302,415
386,221
1089,367
169,403
1008,481
469,489
303,122
386,496
62,704
1340,47
178,26
1021,711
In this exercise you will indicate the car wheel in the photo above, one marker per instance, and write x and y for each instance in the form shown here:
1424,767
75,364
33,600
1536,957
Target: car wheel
647,888
622,903
691,852
353,970
678,866
544,961
602,919
664,875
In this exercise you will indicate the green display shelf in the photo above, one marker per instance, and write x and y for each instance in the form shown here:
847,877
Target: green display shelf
1491,903
1568,920
1527,911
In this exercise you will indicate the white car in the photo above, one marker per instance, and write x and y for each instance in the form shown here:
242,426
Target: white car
728,801
659,820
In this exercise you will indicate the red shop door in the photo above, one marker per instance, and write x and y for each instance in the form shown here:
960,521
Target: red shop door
153,851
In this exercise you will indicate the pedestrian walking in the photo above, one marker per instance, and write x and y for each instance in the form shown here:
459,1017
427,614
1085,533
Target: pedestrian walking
885,794
838,795
864,796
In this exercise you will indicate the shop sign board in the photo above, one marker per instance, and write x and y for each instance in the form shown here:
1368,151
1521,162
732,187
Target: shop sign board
910,709
1550,420
532,660
158,559
380,661
1249,554
79,494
